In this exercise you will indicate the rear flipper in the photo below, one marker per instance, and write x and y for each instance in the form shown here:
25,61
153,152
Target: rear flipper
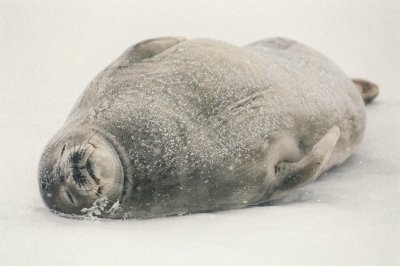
306,170
367,89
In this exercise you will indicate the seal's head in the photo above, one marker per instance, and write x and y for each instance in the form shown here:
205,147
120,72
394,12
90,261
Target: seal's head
77,169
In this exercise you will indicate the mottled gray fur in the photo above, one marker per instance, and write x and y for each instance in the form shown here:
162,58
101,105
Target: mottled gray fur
202,125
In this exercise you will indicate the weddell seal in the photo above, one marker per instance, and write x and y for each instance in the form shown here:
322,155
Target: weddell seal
177,126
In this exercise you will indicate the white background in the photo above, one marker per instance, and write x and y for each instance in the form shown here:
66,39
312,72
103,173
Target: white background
50,50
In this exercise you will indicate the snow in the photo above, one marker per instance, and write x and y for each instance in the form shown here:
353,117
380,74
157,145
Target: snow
50,51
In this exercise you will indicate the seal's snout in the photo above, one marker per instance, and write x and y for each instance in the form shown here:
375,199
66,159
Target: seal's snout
78,170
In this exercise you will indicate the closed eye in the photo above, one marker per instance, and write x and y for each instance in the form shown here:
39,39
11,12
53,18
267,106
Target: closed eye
70,197
63,149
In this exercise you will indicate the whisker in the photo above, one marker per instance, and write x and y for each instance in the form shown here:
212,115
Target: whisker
94,134
79,148
73,151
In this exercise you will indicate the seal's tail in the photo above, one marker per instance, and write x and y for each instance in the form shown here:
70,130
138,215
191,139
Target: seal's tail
367,89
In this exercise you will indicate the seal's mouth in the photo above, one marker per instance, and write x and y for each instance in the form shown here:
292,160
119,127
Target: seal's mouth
78,170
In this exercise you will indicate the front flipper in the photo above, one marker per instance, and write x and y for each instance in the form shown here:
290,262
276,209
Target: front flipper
297,174
147,49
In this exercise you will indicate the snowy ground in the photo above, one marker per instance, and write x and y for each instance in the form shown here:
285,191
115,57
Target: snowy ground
51,50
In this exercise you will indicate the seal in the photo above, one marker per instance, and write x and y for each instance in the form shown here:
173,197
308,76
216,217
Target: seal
178,126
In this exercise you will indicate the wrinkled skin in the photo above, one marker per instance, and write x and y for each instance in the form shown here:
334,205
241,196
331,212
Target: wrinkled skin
178,126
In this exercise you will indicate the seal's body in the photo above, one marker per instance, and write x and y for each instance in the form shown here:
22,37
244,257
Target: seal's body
176,126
